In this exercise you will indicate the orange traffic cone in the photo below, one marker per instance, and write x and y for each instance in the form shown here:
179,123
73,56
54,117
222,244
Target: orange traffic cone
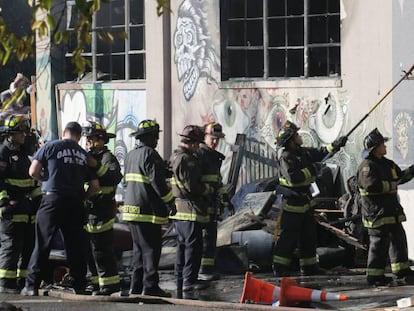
259,291
291,294
288,293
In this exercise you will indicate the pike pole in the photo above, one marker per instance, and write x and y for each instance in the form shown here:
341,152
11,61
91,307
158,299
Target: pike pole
405,76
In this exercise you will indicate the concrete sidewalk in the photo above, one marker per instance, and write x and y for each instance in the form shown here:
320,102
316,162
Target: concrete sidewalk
351,283
225,294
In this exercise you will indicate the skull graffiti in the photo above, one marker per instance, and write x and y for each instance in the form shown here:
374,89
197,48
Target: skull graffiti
194,52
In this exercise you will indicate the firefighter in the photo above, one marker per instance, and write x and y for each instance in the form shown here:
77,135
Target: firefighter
211,161
17,210
298,170
382,214
63,167
190,193
101,211
148,201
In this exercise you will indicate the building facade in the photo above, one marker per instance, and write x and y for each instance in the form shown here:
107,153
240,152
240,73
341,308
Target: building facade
250,65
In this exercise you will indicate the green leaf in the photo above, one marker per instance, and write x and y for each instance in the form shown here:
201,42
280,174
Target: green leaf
163,5
36,24
6,55
46,4
58,37
51,21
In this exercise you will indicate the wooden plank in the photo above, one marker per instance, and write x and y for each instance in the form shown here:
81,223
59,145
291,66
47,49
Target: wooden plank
236,161
116,297
341,234
174,301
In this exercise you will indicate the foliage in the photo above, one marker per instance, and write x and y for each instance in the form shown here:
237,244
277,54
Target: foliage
46,25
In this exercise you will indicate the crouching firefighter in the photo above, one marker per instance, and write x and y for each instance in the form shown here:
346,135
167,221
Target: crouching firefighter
298,169
19,194
101,210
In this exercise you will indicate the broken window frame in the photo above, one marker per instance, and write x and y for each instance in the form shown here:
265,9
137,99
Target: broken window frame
122,60
313,65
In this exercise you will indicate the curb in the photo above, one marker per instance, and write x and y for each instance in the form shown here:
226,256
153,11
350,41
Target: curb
140,299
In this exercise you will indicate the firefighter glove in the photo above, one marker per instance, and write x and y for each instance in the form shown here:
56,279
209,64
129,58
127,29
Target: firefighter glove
172,210
339,142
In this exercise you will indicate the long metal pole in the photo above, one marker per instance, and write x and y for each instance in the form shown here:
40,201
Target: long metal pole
406,74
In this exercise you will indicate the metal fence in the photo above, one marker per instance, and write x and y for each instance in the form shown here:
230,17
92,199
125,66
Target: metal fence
252,160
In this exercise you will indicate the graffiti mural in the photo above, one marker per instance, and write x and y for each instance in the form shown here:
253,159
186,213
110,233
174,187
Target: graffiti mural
119,111
260,113
195,56
402,124
45,122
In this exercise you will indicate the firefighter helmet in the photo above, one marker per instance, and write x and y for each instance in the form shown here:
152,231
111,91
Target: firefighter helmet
146,127
373,140
288,130
214,129
192,134
15,123
97,129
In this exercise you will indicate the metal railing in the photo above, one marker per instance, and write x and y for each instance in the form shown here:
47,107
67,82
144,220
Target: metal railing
252,160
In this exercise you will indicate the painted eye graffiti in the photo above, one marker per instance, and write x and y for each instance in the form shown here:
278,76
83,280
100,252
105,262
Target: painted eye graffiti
226,113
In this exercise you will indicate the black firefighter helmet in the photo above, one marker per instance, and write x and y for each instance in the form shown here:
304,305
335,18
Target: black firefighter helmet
373,140
97,129
288,130
214,129
146,127
192,134
15,123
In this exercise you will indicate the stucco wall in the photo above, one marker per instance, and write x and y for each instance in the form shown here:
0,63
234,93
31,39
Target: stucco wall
376,45
260,108
183,86
403,108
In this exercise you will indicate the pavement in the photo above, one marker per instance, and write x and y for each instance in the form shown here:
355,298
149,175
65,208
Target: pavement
225,294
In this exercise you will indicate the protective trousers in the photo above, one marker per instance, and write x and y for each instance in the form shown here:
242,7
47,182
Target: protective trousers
189,248
17,241
147,242
209,248
296,230
102,262
387,240
66,213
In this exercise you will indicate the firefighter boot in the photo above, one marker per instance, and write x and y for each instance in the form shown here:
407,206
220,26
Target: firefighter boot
381,280
282,270
312,270
107,290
